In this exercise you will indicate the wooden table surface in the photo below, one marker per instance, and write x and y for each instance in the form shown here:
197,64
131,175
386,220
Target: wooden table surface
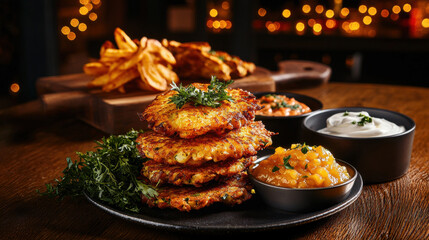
33,150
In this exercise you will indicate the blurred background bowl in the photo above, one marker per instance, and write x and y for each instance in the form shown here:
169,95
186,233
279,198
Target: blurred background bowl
288,127
303,199
378,159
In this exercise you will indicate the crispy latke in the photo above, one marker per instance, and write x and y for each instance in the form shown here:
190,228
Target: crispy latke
238,143
234,190
160,173
191,121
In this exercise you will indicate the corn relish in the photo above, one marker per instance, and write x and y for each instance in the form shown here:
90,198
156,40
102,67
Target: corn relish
301,166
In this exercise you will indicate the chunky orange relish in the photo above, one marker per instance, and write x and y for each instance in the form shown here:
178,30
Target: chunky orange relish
280,105
301,166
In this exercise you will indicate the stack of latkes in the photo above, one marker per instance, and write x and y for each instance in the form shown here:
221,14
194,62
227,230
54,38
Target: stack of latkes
199,155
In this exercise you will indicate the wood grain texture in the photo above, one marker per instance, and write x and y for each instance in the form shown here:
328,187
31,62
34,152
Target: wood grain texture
33,151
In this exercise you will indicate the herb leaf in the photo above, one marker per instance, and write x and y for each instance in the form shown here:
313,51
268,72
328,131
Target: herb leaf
212,98
109,174
286,162
275,169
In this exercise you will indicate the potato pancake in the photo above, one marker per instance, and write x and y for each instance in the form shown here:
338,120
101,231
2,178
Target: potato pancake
238,143
160,173
234,190
191,121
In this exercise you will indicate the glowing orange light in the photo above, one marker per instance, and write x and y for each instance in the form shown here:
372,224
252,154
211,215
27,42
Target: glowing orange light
306,8
367,20
329,13
213,12
354,26
93,16
425,23
346,26
262,12
82,27
225,5
406,7
331,23
319,9
89,6
95,2
216,24
65,30
396,9
228,24
270,26
71,36
286,13
317,27
311,22
83,10
222,24
83,2
384,13
74,22
14,87
300,26
362,8
344,12
372,11
209,23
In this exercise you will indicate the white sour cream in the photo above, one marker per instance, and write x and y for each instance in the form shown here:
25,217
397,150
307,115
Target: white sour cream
359,125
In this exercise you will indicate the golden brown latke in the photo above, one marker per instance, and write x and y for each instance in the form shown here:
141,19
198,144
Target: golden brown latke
234,190
191,121
160,173
238,143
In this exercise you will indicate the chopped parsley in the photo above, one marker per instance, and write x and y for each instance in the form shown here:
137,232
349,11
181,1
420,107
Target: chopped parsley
286,162
364,119
212,98
275,169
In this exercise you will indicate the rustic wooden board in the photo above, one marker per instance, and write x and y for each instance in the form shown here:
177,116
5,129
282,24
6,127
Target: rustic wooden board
115,112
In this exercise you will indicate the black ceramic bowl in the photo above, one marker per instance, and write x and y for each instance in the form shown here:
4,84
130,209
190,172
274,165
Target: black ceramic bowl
303,199
378,159
288,127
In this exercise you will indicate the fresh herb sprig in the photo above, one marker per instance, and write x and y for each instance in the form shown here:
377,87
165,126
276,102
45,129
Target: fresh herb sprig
212,98
109,174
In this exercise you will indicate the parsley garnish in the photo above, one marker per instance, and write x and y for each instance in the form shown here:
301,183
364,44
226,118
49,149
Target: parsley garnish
275,169
212,98
108,174
304,149
364,119
286,162
283,104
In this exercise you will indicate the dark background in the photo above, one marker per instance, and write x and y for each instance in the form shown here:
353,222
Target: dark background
392,49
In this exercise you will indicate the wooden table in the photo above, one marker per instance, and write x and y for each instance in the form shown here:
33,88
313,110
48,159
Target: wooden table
34,148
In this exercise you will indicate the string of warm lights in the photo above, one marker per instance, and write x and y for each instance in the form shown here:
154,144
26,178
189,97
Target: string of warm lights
318,18
87,8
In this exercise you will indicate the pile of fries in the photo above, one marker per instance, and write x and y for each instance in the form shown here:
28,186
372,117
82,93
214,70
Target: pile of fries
146,62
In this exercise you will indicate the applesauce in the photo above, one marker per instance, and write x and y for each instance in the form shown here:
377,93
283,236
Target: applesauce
301,166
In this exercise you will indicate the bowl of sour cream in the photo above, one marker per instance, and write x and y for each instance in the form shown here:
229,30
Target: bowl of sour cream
377,142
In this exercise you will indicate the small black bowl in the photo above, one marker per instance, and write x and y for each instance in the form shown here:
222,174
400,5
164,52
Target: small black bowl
378,159
303,199
288,127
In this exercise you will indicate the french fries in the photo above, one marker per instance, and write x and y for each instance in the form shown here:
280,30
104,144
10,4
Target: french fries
145,61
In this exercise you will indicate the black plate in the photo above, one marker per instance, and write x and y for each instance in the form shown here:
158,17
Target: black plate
252,215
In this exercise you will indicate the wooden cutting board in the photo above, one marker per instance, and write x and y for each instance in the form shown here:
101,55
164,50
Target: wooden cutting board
116,113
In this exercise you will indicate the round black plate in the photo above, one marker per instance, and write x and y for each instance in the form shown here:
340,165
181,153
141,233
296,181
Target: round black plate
252,215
